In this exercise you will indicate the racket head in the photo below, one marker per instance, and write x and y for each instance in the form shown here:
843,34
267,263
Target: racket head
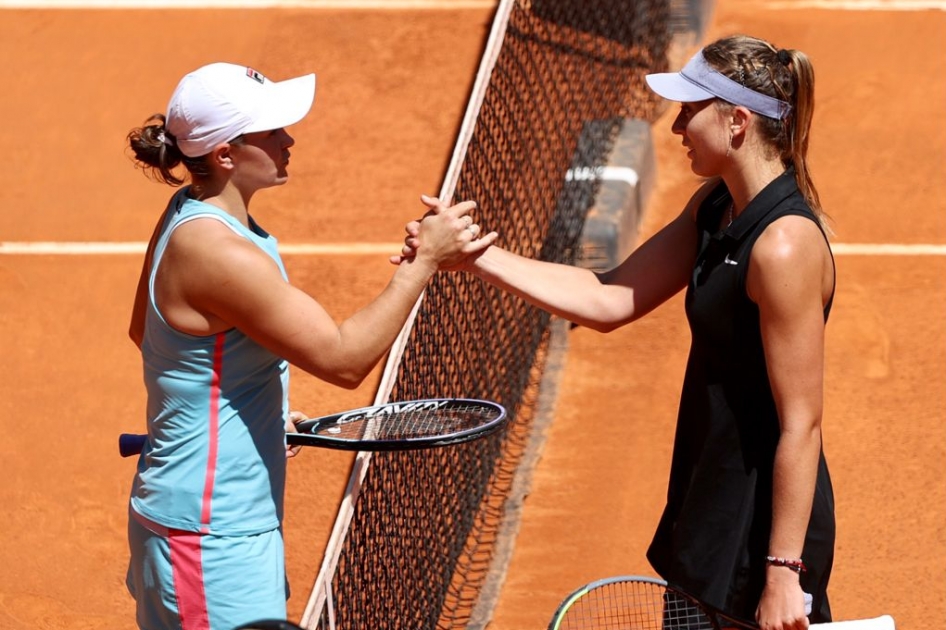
634,602
629,602
406,425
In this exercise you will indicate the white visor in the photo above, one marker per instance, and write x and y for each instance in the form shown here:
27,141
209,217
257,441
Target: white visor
699,81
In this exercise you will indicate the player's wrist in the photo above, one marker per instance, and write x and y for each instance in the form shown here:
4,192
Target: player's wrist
422,266
792,564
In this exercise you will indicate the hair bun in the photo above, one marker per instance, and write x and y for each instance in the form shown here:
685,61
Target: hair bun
784,57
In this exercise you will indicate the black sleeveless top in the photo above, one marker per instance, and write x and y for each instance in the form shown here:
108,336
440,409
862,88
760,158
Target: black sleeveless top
713,537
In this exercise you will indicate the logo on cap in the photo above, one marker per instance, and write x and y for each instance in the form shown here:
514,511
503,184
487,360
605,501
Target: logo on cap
256,76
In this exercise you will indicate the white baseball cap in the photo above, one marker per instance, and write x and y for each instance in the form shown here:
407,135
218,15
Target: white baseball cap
220,101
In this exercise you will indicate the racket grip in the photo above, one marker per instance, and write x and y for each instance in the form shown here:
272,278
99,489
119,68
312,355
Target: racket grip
131,443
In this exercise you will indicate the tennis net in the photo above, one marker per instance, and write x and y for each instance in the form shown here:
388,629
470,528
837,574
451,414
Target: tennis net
417,531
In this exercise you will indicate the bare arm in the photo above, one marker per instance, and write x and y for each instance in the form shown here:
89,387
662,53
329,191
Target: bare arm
653,273
136,328
211,279
790,278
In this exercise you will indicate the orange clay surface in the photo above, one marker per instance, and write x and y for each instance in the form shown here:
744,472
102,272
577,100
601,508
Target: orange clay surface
392,89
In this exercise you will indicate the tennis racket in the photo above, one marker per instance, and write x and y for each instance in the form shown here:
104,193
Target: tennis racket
397,426
634,602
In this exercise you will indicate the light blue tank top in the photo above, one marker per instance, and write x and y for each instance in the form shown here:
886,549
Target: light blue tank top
215,458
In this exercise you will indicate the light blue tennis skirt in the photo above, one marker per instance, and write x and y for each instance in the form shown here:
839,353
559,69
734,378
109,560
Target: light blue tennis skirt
188,581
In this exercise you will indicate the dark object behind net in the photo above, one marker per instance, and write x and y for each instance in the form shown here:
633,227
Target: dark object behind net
424,527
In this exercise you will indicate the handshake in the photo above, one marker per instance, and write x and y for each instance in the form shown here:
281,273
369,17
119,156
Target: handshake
447,235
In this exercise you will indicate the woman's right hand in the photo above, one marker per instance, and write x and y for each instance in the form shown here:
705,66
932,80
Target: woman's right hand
447,235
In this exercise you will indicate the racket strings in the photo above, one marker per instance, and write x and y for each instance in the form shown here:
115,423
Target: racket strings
633,606
417,423
682,614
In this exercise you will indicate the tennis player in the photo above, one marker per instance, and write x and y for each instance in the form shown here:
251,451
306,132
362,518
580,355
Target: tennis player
218,322
749,522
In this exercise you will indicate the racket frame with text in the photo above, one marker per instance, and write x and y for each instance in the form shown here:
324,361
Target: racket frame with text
395,426
472,419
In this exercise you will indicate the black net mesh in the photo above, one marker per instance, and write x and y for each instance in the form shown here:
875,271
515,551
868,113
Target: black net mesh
425,524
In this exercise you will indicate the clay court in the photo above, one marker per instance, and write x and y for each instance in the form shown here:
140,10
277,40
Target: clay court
392,89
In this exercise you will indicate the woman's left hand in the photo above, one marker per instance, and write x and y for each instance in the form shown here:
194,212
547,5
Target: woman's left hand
295,417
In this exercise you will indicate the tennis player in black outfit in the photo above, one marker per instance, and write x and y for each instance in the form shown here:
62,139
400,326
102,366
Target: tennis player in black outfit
749,522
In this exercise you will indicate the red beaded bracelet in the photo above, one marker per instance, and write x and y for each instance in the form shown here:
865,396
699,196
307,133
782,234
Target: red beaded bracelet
795,565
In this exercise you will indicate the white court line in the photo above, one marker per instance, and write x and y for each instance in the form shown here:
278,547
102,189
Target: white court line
374,5
857,5
887,249
838,5
609,173
49,248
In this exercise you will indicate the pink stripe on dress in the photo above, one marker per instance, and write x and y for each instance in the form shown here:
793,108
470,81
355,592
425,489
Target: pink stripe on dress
188,579
213,433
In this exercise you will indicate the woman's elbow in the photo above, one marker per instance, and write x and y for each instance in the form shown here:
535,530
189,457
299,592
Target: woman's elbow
135,336
603,321
606,326
606,313
343,379
346,378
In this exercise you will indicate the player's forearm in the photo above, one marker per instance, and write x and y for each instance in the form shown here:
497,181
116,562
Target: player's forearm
367,335
573,293
796,468
794,478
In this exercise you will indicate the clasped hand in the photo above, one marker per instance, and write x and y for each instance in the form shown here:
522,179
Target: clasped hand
446,234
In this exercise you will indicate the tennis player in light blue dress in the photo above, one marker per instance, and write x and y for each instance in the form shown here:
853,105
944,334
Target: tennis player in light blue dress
218,323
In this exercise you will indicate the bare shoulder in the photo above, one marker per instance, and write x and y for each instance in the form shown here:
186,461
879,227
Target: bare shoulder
212,278
210,248
791,256
790,240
